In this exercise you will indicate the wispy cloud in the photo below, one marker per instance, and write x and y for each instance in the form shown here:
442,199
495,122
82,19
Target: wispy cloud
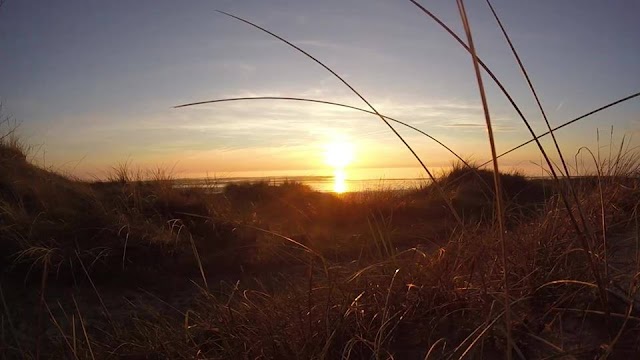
479,126
464,125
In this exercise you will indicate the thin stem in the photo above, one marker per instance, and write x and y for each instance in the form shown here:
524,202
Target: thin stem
496,175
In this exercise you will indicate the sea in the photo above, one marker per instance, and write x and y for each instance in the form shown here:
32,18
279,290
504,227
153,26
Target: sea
337,181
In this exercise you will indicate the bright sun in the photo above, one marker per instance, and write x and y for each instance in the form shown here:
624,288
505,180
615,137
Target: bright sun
338,154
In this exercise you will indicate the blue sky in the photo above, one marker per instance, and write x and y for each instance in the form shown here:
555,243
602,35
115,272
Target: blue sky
94,82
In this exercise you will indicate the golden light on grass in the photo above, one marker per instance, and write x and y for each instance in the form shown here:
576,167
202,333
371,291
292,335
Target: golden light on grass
338,154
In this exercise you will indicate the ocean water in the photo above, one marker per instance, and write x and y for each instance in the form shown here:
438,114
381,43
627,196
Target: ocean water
318,183
339,181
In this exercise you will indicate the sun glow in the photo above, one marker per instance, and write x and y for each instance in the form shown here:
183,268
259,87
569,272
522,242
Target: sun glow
339,181
339,154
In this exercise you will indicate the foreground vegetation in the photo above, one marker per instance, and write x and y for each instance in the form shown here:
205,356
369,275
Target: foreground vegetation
142,269
135,267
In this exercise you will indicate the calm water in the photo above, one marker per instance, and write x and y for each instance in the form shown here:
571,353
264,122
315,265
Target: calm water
319,183
339,181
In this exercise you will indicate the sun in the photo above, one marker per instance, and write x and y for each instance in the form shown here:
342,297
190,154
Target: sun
338,153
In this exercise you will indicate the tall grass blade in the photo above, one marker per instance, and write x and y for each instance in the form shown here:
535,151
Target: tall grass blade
480,331
84,329
95,289
195,253
432,349
62,334
496,175
615,340
603,218
14,334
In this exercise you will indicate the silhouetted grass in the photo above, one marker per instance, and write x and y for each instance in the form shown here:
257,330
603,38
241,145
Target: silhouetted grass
288,304
136,267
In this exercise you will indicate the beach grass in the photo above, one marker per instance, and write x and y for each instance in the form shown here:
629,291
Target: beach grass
475,264
133,267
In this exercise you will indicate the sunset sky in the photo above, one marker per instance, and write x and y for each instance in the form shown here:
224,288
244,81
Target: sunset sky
94,82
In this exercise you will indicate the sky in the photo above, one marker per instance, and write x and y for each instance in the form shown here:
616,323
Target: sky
93,83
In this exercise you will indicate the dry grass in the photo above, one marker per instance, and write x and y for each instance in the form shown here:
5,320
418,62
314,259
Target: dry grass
381,293
136,267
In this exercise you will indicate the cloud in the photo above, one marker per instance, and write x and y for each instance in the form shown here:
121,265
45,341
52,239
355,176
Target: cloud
464,125
474,126
236,66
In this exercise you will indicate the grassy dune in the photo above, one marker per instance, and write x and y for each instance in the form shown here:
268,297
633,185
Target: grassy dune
138,268
135,267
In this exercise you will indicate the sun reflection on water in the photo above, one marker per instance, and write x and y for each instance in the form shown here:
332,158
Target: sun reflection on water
339,181
338,154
